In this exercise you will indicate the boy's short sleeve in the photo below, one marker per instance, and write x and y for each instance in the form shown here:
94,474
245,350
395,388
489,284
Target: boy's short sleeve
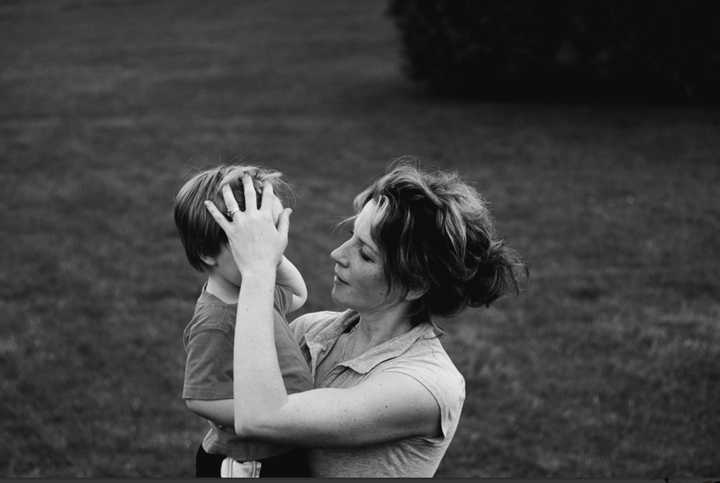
209,367
283,298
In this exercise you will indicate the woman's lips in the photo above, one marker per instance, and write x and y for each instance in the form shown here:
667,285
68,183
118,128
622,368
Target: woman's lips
339,280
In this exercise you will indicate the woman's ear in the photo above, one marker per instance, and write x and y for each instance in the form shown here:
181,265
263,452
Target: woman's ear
415,293
210,261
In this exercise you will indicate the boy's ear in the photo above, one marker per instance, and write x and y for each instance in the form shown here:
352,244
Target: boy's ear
208,260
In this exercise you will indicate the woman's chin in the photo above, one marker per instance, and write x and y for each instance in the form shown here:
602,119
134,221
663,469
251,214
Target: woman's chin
337,298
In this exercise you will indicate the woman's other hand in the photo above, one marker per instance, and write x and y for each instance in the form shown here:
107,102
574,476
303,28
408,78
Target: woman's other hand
255,241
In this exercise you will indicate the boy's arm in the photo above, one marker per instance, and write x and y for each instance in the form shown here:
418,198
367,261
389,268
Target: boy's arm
208,369
289,276
219,411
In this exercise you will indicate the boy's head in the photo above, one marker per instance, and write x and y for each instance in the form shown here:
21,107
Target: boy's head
199,232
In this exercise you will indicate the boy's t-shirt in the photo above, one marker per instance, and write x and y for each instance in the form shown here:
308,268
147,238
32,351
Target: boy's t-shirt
209,340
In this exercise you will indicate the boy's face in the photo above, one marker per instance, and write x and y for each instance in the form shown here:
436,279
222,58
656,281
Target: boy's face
225,270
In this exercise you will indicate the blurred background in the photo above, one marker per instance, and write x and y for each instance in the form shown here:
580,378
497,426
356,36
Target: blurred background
602,172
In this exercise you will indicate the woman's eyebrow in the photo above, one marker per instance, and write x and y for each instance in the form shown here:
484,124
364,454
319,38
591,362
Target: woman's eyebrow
368,245
364,242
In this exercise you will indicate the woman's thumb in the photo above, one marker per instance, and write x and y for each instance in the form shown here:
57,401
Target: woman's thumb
283,225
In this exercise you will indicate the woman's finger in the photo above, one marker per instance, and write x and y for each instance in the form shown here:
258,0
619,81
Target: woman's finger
230,201
249,190
267,196
283,225
217,216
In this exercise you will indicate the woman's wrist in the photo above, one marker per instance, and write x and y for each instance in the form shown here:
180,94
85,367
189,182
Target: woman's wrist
257,267
259,273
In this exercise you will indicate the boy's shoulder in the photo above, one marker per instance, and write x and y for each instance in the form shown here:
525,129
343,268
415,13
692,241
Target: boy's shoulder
212,313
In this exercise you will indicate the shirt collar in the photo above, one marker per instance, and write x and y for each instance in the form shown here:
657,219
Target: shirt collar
364,363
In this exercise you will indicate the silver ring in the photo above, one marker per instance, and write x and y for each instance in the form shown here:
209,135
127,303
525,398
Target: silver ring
231,213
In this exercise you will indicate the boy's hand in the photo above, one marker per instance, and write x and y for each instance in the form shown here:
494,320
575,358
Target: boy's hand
256,240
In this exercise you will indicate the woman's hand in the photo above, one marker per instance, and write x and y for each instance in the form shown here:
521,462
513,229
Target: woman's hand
255,241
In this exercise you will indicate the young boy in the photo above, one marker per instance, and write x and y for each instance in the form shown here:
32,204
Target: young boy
209,337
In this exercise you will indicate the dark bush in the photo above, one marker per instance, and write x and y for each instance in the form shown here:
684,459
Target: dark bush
585,49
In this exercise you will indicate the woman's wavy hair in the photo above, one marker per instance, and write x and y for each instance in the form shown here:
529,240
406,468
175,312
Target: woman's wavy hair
200,233
435,234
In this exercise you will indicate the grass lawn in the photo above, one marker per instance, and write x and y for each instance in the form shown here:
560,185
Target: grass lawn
606,366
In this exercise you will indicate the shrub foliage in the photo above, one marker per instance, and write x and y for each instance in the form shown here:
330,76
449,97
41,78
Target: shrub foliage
667,49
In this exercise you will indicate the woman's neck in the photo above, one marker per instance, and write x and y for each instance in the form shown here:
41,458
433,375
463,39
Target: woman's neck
375,328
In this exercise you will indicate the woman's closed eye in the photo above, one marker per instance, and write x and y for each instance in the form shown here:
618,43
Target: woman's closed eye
363,255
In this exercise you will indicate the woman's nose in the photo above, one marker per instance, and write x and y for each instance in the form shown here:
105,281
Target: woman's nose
338,255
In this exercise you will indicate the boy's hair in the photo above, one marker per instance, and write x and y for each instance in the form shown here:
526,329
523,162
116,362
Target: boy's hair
201,235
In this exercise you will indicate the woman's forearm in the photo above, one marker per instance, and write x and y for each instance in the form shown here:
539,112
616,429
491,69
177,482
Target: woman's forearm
258,383
219,411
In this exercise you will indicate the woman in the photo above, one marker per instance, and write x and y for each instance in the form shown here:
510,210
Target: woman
387,398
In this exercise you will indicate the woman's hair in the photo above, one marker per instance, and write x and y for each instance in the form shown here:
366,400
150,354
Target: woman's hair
200,233
435,234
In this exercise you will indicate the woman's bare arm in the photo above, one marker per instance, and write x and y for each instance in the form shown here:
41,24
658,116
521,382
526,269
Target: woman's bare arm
385,407
219,411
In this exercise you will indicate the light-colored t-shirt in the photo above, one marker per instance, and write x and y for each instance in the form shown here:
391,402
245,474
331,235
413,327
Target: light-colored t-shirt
209,342
418,354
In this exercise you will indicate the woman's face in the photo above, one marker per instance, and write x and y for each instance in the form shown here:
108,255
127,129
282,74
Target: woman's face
360,282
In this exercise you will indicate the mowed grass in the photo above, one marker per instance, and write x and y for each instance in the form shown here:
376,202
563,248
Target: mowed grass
608,365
